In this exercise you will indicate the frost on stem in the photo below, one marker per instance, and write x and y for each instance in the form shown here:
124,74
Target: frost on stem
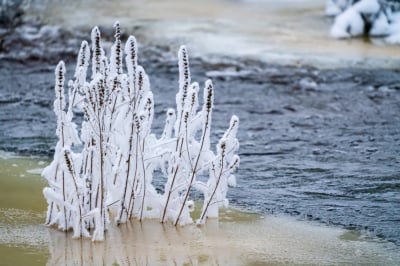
98,53
116,53
107,170
131,65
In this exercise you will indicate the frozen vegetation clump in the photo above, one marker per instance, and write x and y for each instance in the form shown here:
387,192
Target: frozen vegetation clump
104,171
365,17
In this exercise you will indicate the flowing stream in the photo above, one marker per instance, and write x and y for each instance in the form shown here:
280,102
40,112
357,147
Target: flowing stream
319,132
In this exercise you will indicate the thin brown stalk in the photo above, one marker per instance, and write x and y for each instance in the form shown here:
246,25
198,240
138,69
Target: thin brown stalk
132,198
215,188
208,107
172,184
193,173
128,161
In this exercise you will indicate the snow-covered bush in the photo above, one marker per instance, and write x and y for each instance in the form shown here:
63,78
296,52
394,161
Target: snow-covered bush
111,175
365,17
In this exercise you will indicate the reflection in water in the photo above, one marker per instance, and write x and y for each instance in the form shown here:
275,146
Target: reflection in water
147,243
273,240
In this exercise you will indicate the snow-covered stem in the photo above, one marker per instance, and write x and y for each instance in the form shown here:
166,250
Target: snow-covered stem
207,110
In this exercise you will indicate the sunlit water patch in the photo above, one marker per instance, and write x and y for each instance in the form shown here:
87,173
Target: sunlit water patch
290,32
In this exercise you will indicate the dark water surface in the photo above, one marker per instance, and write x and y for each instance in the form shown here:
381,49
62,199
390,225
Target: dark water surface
319,144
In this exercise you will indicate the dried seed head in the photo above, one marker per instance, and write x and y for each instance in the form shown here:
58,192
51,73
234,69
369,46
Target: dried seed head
193,99
97,51
117,30
185,117
223,147
68,161
84,55
184,74
117,56
131,49
184,63
101,91
148,106
136,120
115,85
210,98
60,76
59,104
140,80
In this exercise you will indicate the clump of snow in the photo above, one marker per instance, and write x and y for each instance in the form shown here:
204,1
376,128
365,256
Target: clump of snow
393,38
348,24
335,7
365,17
107,170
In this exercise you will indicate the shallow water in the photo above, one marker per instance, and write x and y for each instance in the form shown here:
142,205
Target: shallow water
237,238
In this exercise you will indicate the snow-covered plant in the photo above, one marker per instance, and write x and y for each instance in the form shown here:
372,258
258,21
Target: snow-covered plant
365,17
106,171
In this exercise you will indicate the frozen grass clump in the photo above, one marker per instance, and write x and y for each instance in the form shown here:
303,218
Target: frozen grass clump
104,171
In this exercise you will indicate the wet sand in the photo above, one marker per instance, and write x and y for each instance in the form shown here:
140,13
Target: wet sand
237,238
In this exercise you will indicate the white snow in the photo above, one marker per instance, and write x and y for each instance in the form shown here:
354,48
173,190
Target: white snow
367,6
351,20
335,7
348,24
